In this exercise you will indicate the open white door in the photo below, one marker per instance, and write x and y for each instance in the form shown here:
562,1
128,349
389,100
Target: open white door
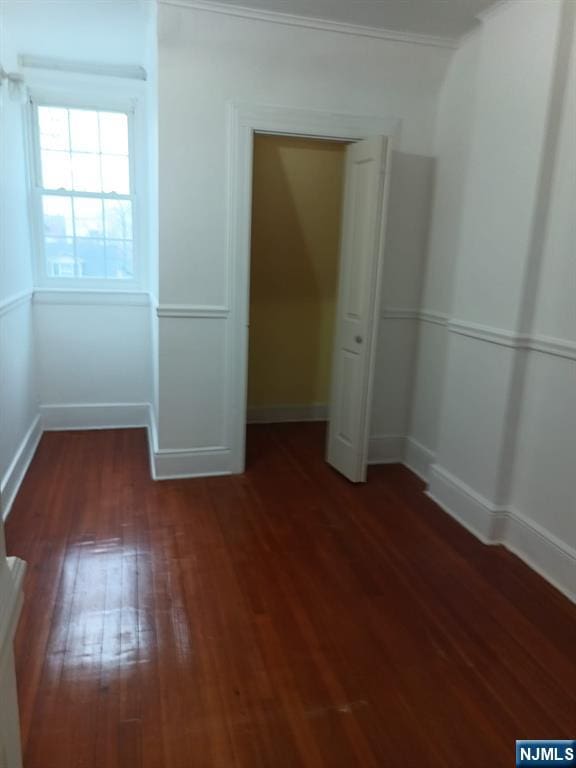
363,219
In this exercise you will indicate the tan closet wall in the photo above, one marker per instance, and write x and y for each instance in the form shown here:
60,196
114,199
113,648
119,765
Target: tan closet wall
297,196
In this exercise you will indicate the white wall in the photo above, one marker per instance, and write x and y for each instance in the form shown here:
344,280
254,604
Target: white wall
18,392
18,403
208,59
499,203
543,488
18,395
91,353
85,30
515,74
451,147
503,445
205,61
402,282
92,350
555,313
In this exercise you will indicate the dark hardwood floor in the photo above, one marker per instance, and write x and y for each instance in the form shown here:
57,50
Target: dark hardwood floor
283,618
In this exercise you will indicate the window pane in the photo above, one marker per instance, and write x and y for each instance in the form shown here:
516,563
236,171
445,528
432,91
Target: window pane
115,174
59,252
53,123
57,216
91,257
118,219
86,152
113,133
56,171
86,173
84,131
88,217
119,260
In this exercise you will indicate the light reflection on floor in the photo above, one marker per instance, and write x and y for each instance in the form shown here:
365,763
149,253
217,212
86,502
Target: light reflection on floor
102,620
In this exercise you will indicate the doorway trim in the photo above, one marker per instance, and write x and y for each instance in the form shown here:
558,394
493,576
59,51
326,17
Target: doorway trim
244,121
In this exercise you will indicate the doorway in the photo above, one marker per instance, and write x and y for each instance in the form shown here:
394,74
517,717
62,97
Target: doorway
305,284
297,186
363,230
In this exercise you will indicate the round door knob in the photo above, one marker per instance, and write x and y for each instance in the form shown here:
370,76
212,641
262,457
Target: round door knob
358,339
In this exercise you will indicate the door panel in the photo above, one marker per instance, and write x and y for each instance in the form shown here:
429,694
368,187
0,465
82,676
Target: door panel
360,254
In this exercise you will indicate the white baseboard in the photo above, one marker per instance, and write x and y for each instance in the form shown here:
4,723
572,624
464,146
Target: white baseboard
152,430
195,462
94,416
18,467
172,464
554,560
386,449
469,508
275,414
418,458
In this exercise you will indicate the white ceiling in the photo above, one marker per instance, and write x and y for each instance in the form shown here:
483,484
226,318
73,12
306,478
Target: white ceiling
444,18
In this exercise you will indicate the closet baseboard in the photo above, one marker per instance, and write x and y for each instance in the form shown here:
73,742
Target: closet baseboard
278,413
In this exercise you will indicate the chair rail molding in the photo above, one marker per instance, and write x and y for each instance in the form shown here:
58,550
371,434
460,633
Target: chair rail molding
79,297
214,312
413,313
13,302
433,317
535,343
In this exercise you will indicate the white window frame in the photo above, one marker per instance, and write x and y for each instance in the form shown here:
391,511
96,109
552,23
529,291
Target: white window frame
101,102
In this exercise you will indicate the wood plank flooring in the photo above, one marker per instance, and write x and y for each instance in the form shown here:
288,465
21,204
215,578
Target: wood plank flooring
279,619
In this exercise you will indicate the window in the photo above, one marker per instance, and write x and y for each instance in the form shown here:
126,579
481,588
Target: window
85,195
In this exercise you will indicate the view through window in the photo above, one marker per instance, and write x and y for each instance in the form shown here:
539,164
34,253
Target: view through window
86,193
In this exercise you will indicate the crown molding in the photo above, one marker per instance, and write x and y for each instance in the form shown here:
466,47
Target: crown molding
309,22
480,18
471,33
494,9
